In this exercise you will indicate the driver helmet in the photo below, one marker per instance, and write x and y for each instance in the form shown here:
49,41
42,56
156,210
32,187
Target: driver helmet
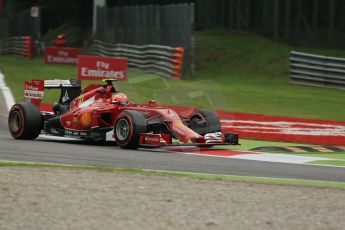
119,98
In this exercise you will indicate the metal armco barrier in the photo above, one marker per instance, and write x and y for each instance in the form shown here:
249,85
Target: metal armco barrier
162,60
317,70
17,45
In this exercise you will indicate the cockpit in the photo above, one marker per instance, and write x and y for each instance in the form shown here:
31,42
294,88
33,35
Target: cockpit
119,98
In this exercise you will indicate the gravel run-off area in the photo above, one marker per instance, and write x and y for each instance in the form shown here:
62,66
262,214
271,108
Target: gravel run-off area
46,198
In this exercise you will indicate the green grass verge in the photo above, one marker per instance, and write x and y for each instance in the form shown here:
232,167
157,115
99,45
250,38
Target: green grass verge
277,181
140,86
253,74
234,72
17,70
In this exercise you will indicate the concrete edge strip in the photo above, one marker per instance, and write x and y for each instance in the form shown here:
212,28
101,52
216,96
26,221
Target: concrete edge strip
9,99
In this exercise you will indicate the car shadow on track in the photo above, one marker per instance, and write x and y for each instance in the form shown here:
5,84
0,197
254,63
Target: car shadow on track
81,142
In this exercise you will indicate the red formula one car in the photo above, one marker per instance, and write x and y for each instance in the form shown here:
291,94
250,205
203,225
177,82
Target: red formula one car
100,110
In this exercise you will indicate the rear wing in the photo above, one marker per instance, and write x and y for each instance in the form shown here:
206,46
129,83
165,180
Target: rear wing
58,84
34,90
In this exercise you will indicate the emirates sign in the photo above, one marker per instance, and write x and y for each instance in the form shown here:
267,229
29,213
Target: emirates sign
96,68
61,55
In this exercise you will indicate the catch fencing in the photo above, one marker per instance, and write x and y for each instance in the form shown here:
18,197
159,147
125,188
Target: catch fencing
296,21
162,60
22,24
22,46
4,28
317,70
163,25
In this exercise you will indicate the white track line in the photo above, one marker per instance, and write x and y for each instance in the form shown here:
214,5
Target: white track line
9,100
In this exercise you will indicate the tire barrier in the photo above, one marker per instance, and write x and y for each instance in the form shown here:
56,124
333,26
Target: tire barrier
28,47
162,60
22,46
317,70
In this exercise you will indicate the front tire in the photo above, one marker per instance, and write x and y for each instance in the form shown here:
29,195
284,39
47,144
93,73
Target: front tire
25,121
128,127
205,121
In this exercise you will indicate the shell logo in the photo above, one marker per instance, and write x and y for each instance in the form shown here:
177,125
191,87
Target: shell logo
85,119
75,119
178,123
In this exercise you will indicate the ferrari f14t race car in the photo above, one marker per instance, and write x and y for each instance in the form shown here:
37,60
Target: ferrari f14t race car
100,109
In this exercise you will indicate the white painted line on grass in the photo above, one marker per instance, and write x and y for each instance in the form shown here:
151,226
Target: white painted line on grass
9,100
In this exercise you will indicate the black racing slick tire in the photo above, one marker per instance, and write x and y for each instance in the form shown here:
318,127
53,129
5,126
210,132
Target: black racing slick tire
25,121
128,127
205,121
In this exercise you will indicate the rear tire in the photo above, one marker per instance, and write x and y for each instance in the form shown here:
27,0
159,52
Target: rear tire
128,127
25,121
205,121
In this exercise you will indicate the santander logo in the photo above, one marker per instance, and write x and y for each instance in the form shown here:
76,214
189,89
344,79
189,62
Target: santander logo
155,139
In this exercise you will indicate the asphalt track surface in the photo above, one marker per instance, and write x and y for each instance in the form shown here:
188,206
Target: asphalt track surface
80,153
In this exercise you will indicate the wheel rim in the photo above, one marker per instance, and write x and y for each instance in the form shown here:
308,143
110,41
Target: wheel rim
15,121
122,129
197,119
